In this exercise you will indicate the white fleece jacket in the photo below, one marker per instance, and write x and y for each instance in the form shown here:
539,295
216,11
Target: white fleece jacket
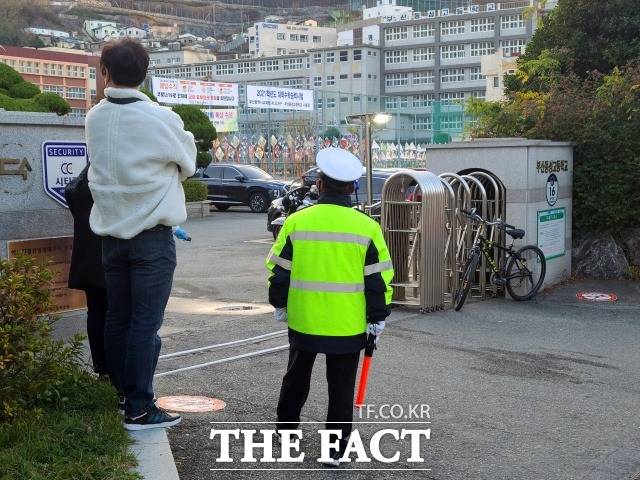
135,151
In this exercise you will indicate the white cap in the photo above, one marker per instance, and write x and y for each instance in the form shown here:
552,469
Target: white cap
339,164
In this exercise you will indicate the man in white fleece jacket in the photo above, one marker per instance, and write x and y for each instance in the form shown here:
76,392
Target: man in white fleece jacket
139,154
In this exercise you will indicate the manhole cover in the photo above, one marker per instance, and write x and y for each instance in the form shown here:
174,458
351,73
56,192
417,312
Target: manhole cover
234,308
597,296
192,404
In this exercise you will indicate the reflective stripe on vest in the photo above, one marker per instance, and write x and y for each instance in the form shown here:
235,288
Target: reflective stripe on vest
282,262
377,267
328,286
330,237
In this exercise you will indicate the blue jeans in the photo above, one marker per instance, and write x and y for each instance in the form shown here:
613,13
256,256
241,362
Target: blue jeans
139,274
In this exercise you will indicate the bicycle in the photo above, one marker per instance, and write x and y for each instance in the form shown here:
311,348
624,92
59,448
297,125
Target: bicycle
518,275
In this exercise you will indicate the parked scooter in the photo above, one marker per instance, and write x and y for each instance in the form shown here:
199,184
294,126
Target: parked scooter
294,200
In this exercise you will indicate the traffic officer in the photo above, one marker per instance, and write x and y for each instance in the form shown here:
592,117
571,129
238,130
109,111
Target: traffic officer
330,279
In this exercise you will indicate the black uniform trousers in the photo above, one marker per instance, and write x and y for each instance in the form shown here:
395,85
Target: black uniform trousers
341,377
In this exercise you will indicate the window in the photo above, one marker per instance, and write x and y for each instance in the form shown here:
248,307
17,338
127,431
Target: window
331,80
292,63
280,36
450,98
293,83
281,51
225,69
78,112
395,33
451,121
304,38
317,57
343,76
344,99
317,81
293,37
483,25
331,102
344,55
246,67
330,57
357,55
94,94
357,75
203,70
510,22
394,103
479,94
423,78
318,103
78,93
454,27
268,65
92,73
476,74
423,54
512,47
422,122
59,89
478,49
213,172
452,75
356,98
423,100
396,79
452,51
423,31
316,39
496,81
395,56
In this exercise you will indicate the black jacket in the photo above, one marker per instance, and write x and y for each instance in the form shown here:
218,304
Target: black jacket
86,259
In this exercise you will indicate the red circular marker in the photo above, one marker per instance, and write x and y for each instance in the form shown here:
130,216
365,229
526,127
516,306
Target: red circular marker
190,404
597,296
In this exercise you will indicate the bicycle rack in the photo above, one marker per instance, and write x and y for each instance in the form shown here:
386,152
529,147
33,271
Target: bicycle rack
415,234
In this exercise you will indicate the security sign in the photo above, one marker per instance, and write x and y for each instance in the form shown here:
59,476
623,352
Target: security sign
552,189
61,163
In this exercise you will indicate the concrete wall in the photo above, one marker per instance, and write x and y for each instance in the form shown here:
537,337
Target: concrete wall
514,161
25,209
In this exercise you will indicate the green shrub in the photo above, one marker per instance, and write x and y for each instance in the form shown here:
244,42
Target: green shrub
332,132
23,90
33,366
197,122
53,103
194,191
148,93
8,76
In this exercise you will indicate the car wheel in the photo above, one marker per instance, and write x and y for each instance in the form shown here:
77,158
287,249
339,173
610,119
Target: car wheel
222,208
258,202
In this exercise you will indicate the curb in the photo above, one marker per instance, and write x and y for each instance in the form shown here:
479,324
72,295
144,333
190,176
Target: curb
152,450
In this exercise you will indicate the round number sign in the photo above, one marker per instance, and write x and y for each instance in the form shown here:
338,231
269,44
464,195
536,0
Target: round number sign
552,189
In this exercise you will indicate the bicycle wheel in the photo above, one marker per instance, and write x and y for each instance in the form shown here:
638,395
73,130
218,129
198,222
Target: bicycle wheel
525,273
467,278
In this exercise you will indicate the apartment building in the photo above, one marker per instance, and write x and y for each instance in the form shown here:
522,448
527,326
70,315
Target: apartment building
424,68
74,76
180,56
269,39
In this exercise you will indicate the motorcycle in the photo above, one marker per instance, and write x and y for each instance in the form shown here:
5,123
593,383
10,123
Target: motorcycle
294,200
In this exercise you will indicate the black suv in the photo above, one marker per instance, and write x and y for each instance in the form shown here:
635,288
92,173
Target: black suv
234,185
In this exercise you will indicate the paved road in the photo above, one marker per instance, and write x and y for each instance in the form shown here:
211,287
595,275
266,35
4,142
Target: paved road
547,389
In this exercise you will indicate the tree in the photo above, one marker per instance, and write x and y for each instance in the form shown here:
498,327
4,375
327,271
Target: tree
584,36
197,122
332,132
18,95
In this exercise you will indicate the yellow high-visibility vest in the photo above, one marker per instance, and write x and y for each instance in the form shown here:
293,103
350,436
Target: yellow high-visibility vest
324,247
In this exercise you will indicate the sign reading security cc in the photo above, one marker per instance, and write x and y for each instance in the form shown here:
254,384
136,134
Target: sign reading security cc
61,163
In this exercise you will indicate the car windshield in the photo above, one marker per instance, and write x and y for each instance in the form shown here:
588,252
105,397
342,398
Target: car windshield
254,173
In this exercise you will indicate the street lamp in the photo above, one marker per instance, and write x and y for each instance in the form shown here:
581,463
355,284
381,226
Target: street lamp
367,119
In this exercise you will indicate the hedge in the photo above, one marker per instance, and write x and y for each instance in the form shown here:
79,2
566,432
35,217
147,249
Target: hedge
194,191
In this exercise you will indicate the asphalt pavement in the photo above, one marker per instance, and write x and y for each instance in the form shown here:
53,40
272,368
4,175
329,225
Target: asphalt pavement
547,389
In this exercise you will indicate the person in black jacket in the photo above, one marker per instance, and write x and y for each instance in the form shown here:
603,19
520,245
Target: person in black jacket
86,272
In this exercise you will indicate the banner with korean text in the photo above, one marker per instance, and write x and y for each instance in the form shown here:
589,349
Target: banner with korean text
282,98
224,119
195,92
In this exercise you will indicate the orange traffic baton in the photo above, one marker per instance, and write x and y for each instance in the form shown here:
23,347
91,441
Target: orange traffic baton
364,373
